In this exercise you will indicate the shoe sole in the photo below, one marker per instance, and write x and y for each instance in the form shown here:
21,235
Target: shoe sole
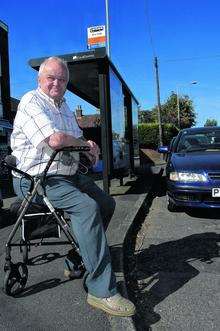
110,311
66,273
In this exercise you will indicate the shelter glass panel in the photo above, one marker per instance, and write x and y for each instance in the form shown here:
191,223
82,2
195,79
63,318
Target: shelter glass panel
135,127
1,105
119,123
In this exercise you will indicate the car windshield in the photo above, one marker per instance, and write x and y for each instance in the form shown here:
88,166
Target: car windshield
208,140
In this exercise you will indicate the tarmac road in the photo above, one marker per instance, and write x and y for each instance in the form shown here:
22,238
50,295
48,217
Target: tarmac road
175,274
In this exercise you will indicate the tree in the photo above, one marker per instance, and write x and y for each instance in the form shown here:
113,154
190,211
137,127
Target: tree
169,113
144,116
211,122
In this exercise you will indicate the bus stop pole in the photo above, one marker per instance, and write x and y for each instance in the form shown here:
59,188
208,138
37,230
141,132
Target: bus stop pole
107,27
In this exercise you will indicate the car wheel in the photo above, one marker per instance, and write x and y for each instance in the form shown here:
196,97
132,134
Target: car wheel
171,205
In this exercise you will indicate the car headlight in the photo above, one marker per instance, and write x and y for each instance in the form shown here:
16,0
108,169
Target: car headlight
187,177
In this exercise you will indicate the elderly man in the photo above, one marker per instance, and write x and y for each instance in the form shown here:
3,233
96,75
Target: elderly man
45,123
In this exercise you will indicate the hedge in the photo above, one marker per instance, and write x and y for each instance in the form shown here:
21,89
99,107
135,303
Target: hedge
149,134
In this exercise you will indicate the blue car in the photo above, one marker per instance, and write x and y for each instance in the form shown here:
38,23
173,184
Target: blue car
193,169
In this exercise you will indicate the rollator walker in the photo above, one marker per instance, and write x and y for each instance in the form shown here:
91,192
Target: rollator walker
37,222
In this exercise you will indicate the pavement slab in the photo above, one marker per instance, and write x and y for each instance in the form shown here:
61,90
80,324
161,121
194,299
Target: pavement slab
49,301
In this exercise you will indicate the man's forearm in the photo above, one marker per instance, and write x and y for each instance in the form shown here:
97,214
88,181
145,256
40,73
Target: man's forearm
59,140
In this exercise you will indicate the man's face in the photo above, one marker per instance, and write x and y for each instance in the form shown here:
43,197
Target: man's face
53,80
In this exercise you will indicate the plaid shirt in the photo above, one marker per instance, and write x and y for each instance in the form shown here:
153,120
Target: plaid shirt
37,118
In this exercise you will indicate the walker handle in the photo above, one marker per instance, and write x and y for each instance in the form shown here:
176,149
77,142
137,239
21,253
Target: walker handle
10,163
64,149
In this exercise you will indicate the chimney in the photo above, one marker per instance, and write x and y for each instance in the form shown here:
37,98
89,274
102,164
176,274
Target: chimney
79,111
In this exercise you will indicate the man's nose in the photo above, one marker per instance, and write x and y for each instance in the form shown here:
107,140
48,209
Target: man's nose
56,81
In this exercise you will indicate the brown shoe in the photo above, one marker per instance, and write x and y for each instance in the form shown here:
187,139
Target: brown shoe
115,305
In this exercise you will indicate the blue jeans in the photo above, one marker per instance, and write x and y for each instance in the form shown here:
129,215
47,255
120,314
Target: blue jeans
90,210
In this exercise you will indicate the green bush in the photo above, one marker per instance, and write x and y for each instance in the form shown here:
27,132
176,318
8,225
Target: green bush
149,134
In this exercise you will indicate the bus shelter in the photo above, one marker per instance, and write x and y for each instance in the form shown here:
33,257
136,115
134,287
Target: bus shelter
95,79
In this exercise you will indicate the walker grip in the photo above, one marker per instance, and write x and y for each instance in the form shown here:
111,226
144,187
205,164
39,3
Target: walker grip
74,149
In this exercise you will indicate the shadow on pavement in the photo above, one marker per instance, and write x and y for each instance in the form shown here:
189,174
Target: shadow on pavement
44,258
162,269
42,286
6,218
159,186
116,252
204,213
137,186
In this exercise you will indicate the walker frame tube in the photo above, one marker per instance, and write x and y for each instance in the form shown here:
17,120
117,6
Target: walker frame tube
37,185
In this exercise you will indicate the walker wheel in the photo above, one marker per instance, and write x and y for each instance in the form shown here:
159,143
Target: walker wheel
15,279
24,250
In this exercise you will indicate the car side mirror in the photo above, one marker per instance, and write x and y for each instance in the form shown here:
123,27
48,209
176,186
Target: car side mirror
163,149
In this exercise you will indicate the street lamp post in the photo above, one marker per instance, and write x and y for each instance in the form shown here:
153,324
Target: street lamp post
178,100
158,102
178,107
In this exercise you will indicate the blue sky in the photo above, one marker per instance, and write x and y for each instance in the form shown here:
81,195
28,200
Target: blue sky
184,35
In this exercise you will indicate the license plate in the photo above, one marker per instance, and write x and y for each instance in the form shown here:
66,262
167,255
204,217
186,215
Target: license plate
216,192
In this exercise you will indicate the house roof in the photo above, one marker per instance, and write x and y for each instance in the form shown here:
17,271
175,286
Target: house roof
89,121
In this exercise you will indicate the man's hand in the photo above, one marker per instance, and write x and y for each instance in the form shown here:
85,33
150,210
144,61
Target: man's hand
59,140
93,154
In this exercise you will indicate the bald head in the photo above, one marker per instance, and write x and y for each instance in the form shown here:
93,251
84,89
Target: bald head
52,60
53,77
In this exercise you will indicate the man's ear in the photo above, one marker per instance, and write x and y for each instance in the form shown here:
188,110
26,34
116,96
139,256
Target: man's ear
38,80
